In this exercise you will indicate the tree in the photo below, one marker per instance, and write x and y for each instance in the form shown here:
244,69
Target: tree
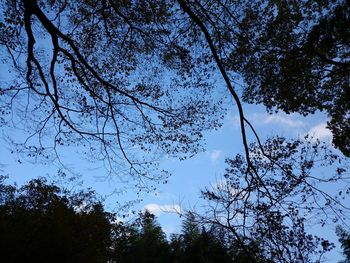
124,237
41,222
344,238
143,240
111,105
202,244
190,229
269,212
226,29
151,246
88,74
294,56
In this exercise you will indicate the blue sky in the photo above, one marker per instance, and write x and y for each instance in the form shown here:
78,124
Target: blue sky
188,177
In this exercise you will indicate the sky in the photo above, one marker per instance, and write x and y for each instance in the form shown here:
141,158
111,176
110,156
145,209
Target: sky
188,177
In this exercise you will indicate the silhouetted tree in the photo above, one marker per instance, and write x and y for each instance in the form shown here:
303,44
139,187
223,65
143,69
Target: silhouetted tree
151,245
124,237
40,222
143,240
213,243
112,77
292,55
271,211
86,67
177,248
196,244
190,229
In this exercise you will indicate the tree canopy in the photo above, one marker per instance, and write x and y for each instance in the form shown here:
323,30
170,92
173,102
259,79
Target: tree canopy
119,78
112,77
295,56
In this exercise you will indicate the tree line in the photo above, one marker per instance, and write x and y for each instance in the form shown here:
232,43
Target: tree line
42,222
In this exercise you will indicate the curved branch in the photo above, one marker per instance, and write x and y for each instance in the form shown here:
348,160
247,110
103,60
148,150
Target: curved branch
223,72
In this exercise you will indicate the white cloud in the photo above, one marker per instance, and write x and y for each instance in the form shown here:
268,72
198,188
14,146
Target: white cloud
159,209
170,229
320,132
281,119
215,155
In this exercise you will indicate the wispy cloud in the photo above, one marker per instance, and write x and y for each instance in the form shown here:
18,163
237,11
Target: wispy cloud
214,155
280,119
283,120
321,132
157,209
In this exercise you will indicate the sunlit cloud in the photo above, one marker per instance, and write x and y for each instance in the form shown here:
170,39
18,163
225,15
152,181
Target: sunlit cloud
321,132
157,209
280,119
283,120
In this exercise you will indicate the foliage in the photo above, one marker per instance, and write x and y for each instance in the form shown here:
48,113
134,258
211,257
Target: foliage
89,73
143,241
40,222
270,203
149,242
294,56
111,78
